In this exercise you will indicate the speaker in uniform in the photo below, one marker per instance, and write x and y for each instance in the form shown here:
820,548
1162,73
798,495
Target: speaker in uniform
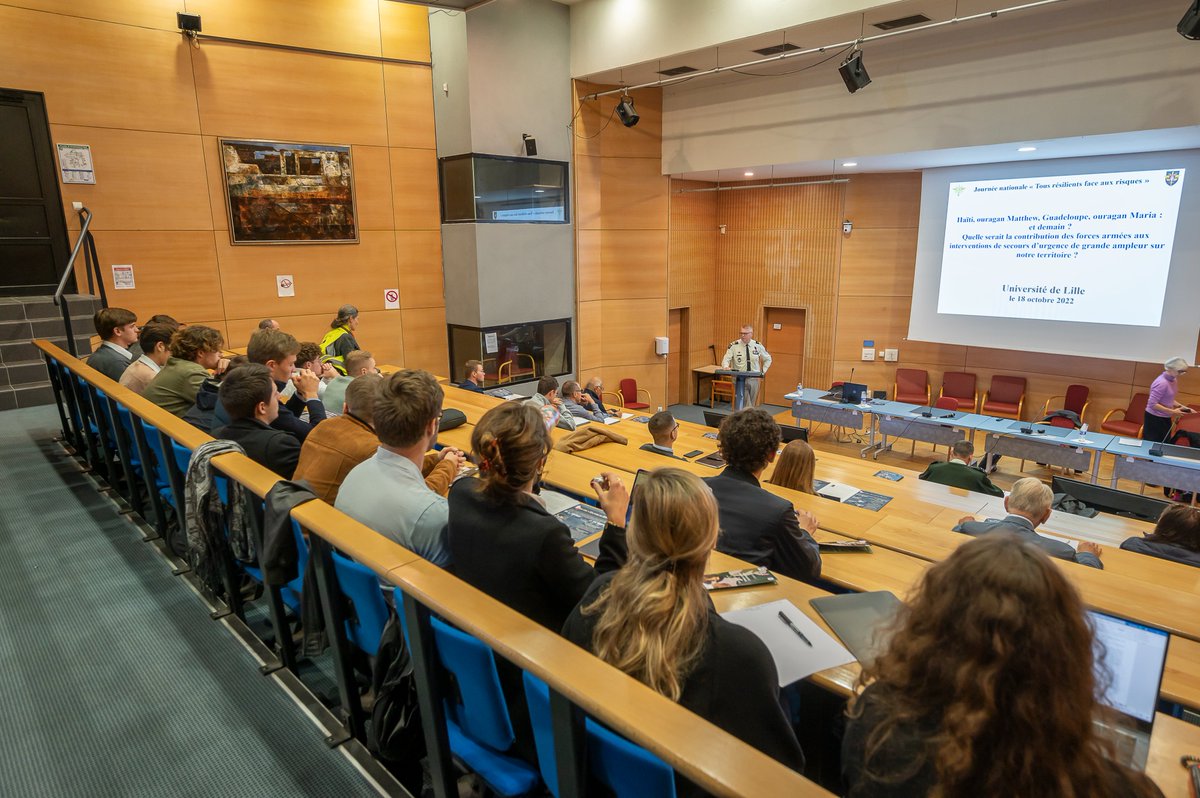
746,354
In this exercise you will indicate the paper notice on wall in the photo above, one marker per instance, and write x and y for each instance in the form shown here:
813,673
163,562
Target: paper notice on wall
75,162
285,285
490,344
391,299
123,276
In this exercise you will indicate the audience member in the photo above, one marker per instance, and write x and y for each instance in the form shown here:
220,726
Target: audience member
1176,536
664,429
268,324
475,376
251,400
195,351
501,536
654,620
154,340
135,349
758,526
1028,507
309,357
386,491
277,351
595,391
208,413
356,364
118,330
986,688
579,404
550,404
958,473
795,467
340,341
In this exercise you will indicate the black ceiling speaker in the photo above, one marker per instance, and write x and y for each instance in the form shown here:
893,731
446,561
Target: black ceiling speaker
530,144
626,112
854,73
1189,26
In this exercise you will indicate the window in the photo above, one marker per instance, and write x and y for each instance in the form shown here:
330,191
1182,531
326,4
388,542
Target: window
489,188
512,353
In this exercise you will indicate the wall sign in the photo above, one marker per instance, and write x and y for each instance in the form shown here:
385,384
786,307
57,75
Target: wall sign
75,162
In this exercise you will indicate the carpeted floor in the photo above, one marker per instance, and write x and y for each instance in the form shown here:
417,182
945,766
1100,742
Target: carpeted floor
113,680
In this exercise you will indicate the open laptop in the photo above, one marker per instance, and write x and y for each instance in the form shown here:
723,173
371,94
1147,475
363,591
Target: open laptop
1129,661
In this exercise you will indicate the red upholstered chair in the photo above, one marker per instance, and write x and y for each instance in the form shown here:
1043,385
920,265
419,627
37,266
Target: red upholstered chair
1132,418
960,385
1075,400
629,395
1188,423
1005,397
911,386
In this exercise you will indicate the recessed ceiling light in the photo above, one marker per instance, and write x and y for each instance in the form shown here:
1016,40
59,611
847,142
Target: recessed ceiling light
748,174
850,163
1026,149
478,197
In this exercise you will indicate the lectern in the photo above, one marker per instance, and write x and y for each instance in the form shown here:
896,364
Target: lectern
739,384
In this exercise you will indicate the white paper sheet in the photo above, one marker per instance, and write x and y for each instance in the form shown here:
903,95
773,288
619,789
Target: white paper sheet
1130,442
794,659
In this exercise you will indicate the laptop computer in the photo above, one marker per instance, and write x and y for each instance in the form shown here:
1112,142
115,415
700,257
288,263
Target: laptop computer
1129,662
853,392
860,620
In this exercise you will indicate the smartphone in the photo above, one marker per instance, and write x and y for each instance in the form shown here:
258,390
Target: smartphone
693,453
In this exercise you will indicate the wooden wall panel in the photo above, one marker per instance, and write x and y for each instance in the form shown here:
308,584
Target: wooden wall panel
175,272
419,265
588,265
425,340
864,250
634,263
158,14
630,326
144,180
587,192
633,194
97,73
404,30
589,332
415,199
259,93
643,140
350,26
373,187
409,106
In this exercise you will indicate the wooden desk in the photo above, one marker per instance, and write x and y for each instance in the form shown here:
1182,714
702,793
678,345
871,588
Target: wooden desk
704,373
1171,740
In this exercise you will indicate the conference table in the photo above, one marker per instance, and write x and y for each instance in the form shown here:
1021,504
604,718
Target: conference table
1176,467
1045,443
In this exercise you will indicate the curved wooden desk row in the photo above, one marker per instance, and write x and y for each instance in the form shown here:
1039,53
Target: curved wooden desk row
717,761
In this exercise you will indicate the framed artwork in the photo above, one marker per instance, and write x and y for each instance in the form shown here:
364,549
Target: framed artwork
281,193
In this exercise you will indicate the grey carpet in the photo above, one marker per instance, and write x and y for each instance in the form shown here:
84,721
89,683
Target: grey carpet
113,680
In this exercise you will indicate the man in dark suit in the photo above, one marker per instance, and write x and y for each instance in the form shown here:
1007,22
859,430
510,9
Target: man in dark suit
957,472
118,331
474,380
251,399
664,429
756,525
1028,507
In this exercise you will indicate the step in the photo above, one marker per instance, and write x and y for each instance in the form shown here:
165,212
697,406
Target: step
18,308
34,395
22,351
21,373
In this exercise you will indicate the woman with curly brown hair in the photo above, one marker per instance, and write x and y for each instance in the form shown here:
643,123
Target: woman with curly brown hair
986,688
195,351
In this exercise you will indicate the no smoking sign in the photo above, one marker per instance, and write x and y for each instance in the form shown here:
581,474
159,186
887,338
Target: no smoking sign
391,299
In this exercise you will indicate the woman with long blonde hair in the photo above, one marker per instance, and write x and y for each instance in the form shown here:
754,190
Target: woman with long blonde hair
795,466
654,620
986,688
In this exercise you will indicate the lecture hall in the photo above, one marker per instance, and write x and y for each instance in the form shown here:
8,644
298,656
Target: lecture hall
630,398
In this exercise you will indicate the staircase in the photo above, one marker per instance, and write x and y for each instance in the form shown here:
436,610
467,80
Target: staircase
23,378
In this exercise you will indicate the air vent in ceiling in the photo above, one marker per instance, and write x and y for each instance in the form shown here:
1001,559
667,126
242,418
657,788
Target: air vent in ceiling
902,22
776,49
679,70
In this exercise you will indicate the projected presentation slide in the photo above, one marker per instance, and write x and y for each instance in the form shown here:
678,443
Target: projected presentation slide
1076,248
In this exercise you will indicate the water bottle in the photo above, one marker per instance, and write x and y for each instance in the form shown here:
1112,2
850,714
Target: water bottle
800,388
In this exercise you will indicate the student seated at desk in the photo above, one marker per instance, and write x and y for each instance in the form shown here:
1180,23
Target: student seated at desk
579,404
794,469
653,620
1028,507
664,429
475,377
118,332
986,688
958,473
758,526
154,340
251,401
194,350
1176,536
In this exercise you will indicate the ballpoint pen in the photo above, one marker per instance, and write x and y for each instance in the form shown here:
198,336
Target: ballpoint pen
795,629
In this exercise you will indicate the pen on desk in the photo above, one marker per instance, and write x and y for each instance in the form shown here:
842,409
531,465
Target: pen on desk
795,629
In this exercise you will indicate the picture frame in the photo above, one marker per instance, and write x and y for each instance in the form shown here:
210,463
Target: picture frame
288,193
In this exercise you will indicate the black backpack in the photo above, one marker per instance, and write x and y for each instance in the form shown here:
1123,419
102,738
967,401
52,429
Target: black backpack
395,735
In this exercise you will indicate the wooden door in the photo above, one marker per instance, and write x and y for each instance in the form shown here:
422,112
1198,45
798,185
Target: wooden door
783,336
33,232
675,356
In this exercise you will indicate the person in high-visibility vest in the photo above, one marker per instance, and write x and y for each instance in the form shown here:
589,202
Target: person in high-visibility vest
339,341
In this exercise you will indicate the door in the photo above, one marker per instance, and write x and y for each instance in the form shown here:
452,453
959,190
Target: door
33,232
677,357
783,336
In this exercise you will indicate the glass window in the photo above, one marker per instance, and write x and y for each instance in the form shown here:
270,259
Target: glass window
489,188
512,353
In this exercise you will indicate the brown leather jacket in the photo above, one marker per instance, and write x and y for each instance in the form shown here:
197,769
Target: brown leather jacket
340,443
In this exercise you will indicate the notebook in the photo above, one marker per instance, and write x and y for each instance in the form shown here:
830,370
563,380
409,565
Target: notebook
858,619
1129,659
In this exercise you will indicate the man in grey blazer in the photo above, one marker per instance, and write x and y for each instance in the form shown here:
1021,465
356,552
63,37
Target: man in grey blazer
1028,507
118,330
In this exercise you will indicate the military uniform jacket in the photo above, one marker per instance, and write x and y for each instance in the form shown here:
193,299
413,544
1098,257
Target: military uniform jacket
746,357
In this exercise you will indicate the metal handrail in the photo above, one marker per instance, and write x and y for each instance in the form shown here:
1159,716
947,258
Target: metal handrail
87,243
